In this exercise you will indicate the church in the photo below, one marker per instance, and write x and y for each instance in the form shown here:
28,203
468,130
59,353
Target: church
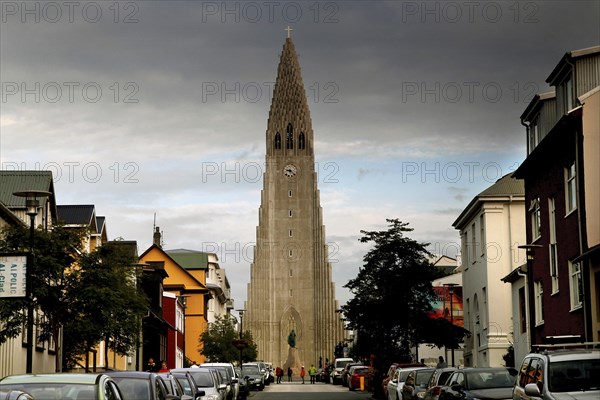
291,309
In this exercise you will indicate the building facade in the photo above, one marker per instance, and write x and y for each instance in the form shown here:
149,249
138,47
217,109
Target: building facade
291,292
492,227
562,192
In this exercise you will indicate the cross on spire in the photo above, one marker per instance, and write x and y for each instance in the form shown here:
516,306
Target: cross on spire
289,30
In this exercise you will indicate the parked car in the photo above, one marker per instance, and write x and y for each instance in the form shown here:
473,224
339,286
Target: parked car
14,395
421,378
188,385
338,368
559,374
395,385
230,378
244,386
480,383
206,379
392,370
355,373
174,387
64,386
256,378
346,372
141,385
437,381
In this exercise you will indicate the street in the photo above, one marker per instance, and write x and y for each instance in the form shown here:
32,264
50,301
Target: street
298,391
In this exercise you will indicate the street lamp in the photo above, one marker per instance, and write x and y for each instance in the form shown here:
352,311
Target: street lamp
241,343
32,203
450,287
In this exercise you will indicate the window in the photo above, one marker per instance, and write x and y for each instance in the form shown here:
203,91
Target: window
482,234
289,137
473,244
465,250
522,310
534,134
290,213
290,193
484,311
277,141
536,225
538,290
301,141
291,233
575,285
571,188
552,245
567,94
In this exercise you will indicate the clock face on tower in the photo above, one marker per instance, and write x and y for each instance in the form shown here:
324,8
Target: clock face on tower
290,170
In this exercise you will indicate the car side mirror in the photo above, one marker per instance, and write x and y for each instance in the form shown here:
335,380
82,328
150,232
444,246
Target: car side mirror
234,380
222,386
456,388
532,390
200,393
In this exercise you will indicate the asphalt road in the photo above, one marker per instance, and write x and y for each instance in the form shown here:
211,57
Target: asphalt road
298,391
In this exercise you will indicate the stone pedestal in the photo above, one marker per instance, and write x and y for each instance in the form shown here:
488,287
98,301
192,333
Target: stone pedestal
293,361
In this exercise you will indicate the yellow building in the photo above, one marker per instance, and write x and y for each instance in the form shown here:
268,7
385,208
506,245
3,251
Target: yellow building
190,286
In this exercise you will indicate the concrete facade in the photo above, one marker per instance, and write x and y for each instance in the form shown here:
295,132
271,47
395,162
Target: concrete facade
492,227
291,285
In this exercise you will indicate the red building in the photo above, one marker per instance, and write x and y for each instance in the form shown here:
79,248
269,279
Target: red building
173,313
562,180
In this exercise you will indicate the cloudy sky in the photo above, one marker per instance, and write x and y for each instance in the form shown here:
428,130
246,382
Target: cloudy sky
148,108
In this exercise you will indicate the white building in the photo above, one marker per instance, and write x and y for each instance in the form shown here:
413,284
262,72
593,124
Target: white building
491,228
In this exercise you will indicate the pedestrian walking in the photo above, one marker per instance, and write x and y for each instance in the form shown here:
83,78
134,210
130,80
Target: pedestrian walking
312,372
302,374
289,374
278,374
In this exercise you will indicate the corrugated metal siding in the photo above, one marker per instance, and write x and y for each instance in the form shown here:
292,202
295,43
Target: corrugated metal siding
587,74
547,117
16,181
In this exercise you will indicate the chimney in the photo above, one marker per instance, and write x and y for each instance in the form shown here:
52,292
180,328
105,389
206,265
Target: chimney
156,239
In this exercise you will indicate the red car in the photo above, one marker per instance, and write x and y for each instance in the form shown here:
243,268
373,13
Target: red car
355,374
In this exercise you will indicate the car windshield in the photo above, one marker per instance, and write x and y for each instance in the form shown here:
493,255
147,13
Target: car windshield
250,370
423,377
53,391
202,378
185,385
360,370
490,379
133,388
342,363
576,375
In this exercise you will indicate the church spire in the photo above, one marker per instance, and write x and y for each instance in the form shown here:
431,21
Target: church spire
289,129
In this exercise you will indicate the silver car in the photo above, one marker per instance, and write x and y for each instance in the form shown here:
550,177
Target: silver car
559,375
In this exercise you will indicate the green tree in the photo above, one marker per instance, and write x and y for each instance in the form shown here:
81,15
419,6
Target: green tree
107,304
93,297
216,344
55,252
392,297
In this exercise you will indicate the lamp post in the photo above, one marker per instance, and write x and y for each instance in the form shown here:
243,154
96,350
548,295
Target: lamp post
241,343
450,287
32,204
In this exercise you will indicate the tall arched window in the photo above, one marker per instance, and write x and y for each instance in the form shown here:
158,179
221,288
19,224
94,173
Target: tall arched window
301,141
277,141
289,137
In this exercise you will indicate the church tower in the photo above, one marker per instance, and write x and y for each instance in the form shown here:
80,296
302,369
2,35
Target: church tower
291,286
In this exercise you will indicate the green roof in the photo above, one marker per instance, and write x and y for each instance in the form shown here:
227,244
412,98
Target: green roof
189,259
19,181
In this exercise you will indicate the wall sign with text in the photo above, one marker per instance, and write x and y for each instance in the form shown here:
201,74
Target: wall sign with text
13,272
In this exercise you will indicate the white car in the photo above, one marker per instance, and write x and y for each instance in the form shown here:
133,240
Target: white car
559,374
395,385
338,369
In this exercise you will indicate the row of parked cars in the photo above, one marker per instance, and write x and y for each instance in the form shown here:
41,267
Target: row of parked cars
558,374
547,374
211,381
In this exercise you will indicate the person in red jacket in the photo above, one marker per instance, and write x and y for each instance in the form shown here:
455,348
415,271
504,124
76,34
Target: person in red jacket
302,374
